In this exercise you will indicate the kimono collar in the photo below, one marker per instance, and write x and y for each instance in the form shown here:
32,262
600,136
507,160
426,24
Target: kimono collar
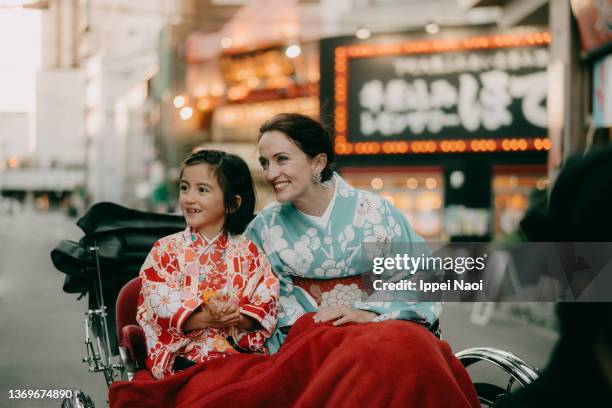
199,241
341,183
341,187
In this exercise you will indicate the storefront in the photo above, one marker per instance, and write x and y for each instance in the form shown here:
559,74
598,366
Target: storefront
453,131
239,77
596,45
239,90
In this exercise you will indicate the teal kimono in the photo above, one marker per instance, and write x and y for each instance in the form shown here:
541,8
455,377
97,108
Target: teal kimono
298,246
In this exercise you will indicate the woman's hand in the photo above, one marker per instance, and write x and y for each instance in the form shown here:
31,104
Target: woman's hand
342,315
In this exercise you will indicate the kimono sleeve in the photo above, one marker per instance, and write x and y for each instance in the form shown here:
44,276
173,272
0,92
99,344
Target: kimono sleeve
293,300
259,302
425,313
163,305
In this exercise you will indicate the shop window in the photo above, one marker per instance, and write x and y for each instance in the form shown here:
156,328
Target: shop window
416,193
514,191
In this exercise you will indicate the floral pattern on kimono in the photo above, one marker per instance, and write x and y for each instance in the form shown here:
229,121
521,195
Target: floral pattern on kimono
297,246
181,273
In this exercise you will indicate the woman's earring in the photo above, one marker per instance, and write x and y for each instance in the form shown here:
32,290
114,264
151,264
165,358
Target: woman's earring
316,178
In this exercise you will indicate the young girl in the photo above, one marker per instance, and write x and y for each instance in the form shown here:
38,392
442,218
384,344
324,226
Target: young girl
207,292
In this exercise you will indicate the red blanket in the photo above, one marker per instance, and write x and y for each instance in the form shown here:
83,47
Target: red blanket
388,364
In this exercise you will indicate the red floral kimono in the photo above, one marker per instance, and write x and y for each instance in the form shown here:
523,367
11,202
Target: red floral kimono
182,272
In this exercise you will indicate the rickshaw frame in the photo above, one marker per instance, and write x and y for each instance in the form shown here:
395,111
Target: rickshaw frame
84,260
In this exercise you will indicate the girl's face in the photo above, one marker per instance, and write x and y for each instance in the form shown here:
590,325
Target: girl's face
288,170
201,200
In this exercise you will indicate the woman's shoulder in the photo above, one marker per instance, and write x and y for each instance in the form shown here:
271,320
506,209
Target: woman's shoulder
377,202
270,208
266,214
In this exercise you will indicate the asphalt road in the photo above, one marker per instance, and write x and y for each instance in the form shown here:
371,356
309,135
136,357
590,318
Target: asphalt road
41,327
42,331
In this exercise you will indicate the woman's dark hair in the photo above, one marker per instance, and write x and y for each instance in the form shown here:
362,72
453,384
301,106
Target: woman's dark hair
308,134
234,178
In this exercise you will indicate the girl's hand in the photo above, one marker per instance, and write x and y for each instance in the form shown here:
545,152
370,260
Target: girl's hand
342,315
228,319
233,318
203,319
217,307
220,310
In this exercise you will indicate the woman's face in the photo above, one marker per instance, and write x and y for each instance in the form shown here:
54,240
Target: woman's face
201,199
288,170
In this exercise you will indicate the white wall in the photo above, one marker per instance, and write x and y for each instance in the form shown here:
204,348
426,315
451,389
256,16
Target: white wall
60,118
20,58
123,41
89,114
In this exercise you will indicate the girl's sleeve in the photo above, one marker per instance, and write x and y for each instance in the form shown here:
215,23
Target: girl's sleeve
259,302
425,313
163,307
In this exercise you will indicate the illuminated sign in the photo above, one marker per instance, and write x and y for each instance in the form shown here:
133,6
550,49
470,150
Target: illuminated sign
265,66
475,94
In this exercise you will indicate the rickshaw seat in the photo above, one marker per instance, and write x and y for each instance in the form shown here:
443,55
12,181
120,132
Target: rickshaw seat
130,335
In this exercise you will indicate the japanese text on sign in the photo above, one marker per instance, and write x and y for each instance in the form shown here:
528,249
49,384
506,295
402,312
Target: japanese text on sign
472,93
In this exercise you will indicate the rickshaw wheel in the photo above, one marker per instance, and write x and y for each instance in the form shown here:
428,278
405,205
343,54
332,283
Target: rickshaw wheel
519,371
78,400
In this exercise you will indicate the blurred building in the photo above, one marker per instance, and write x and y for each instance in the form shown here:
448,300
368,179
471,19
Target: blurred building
228,68
107,51
240,68
20,47
91,134
579,70
455,110
449,127
506,116
463,147
274,56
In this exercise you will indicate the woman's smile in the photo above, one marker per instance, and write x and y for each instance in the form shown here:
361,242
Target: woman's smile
280,185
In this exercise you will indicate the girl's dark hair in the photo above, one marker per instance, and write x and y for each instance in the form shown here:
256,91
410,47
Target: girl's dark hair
234,178
308,134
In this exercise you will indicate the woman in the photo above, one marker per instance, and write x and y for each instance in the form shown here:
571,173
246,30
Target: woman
318,227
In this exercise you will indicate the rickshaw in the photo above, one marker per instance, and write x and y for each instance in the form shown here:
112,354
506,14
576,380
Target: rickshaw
104,266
